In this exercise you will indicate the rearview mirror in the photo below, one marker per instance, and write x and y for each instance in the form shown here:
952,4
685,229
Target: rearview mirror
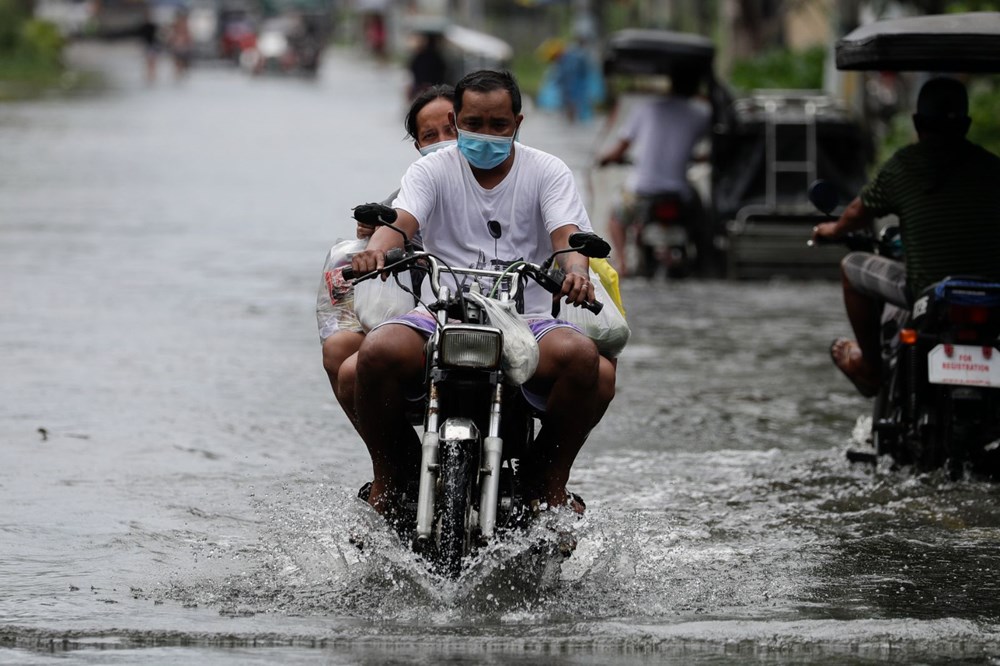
823,195
589,244
374,214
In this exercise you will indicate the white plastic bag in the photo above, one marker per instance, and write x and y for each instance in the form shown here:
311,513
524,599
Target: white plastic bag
520,349
335,297
377,300
608,329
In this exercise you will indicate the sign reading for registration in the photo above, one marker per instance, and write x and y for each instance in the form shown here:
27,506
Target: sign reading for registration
964,364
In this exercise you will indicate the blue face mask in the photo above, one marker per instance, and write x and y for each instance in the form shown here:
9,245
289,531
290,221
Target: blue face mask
427,150
484,151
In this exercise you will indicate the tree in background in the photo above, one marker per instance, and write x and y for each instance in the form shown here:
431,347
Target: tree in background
30,49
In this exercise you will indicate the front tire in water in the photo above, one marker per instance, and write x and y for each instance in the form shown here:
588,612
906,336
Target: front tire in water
455,476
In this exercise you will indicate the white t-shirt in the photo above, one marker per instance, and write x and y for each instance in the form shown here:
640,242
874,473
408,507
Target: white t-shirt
663,131
534,199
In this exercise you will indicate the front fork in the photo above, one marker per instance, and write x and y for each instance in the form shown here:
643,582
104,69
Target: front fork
490,470
430,461
429,456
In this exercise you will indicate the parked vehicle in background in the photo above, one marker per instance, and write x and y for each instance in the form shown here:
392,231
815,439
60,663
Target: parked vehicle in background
773,144
238,34
288,44
116,18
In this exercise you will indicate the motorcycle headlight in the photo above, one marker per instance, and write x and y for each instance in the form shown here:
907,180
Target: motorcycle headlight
478,347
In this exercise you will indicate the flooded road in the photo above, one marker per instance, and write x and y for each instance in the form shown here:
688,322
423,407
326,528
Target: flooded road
177,483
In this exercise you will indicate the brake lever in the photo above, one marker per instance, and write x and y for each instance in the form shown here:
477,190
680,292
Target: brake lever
393,257
552,281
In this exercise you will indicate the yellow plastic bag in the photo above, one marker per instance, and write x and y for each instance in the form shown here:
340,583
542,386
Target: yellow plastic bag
609,278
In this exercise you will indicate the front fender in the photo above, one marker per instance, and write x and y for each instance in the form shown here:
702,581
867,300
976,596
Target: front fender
458,429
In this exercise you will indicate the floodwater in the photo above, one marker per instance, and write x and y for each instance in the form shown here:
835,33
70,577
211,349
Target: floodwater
177,484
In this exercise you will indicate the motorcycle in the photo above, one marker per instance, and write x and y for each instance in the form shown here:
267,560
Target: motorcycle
477,426
663,233
286,44
666,235
938,404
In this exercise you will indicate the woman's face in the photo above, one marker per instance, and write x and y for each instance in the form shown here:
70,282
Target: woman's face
433,124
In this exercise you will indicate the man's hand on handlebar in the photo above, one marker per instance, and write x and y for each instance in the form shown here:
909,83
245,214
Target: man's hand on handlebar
613,159
576,287
367,261
825,231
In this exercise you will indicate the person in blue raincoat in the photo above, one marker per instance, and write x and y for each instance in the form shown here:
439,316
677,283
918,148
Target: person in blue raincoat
573,81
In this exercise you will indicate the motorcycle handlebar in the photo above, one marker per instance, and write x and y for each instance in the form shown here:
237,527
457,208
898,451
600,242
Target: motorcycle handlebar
393,256
552,282
374,214
397,259
855,242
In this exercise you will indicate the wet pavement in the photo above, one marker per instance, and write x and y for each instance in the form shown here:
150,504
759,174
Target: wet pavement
178,485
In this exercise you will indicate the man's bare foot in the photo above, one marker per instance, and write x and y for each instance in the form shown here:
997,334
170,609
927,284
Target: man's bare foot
846,355
561,498
384,500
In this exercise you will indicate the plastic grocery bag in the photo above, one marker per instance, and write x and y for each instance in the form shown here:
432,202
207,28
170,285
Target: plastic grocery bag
335,298
609,278
520,349
377,300
608,329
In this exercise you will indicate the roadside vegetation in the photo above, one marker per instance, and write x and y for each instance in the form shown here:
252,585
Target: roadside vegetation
31,53
780,68
31,56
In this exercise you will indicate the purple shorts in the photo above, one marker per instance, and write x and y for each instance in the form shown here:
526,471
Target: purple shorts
423,322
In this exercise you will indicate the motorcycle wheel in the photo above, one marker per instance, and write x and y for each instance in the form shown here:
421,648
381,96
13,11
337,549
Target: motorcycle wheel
678,266
456,481
930,442
648,262
886,416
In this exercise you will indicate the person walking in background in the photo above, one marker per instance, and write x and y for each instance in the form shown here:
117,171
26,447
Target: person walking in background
181,43
574,76
148,33
427,66
373,14
572,83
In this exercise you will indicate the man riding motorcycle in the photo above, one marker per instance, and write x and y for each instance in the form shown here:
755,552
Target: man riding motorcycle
450,197
663,131
945,191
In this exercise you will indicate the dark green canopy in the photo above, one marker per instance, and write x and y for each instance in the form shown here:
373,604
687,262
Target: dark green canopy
967,42
637,51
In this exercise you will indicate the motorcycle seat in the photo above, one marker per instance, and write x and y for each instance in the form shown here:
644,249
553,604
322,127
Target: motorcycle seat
966,290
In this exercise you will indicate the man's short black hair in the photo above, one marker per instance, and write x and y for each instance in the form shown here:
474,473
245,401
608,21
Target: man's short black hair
685,81
427,96
485,81
942,107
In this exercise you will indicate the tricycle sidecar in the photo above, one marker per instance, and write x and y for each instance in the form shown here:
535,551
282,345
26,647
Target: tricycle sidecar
640,51
773,145
968,43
